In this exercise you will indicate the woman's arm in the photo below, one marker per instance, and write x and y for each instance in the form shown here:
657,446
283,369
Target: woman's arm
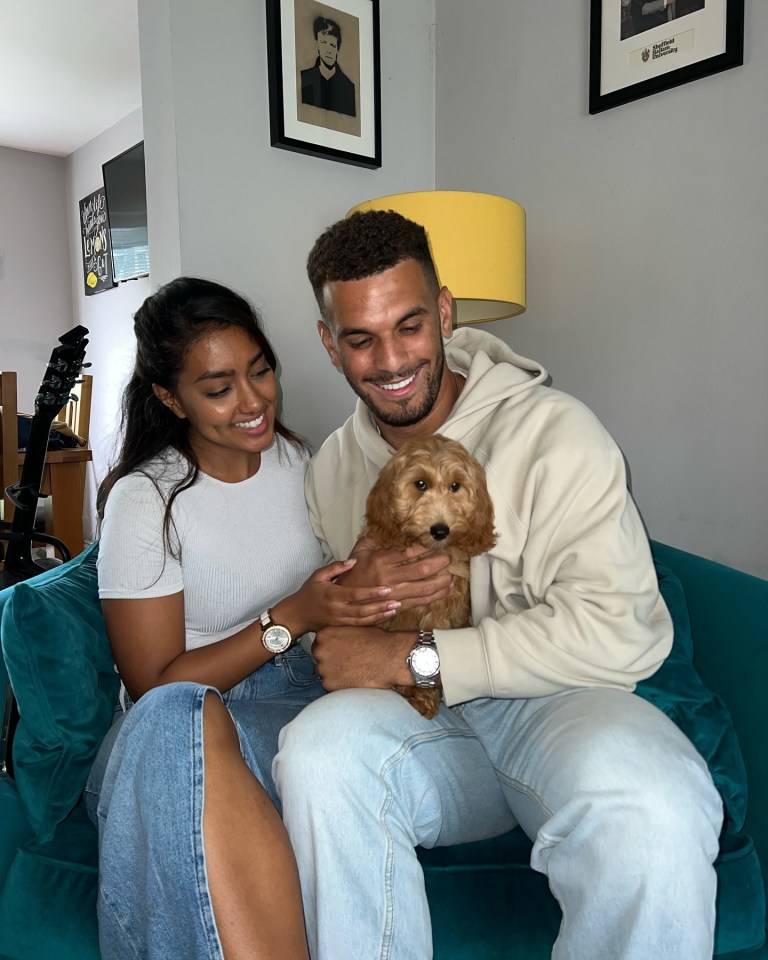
149,641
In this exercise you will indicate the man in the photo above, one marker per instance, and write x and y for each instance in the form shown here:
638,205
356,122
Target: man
647,14
325,85
539,725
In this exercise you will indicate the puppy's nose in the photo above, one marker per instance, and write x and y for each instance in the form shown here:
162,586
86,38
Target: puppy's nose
439,531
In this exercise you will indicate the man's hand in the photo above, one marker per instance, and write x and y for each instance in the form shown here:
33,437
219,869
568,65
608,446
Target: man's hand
415,575
362,657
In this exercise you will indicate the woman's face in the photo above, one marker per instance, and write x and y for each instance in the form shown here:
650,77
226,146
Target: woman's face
227,392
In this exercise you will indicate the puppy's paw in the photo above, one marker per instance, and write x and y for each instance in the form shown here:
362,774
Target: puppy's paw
424,699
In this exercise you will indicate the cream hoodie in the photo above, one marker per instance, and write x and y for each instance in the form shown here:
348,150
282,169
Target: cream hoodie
568,597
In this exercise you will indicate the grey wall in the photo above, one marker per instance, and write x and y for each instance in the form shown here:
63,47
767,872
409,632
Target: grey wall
35,302
107,315
647,239
225,204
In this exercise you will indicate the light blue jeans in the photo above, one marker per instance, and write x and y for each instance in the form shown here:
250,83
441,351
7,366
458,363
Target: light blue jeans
621,808
145,794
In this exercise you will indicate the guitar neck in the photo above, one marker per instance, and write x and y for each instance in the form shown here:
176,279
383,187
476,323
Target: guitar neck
27,491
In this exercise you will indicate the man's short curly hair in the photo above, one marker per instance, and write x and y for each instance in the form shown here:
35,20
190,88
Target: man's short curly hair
365,244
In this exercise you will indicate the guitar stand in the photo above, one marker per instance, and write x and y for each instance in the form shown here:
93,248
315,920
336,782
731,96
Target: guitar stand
8,579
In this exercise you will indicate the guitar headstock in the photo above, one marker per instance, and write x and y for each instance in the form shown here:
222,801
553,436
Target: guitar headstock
64,367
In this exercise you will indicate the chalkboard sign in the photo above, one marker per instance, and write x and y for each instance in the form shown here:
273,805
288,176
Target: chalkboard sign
97,255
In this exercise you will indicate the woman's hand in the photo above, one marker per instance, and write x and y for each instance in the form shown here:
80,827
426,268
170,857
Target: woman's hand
415,575
322,601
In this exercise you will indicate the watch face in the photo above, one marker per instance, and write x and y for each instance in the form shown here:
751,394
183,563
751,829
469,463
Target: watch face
277,639
425,662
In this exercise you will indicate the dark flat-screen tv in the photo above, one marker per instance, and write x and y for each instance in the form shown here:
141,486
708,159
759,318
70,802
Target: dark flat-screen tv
126,192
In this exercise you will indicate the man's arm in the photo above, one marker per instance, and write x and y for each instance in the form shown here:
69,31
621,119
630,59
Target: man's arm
362,657
579,606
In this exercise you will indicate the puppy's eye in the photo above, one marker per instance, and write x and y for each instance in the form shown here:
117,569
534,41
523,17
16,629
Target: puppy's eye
420,484
454,487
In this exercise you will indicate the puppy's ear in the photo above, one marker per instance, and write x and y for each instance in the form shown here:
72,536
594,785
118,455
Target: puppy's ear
484,536
379,518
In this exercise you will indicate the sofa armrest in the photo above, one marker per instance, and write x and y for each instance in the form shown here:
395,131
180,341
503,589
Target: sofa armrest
729,621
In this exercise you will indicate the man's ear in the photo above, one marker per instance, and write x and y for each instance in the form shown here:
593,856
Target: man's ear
327,338
170,401
445,307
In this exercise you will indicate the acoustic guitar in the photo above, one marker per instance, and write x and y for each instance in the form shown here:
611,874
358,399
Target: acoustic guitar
64,367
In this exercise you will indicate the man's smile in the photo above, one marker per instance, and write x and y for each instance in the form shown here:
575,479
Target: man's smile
397,388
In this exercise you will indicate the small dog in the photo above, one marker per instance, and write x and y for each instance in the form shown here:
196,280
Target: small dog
434,493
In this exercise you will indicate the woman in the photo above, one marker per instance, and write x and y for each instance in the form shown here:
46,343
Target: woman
206,579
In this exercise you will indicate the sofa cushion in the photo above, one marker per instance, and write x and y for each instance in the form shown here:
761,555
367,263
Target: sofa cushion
48,900
678,691
505,861
15,828
63,675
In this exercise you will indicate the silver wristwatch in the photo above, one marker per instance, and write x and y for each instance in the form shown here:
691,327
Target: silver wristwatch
424,661
275,637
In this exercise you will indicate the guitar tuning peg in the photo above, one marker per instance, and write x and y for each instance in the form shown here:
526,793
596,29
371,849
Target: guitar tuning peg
84,365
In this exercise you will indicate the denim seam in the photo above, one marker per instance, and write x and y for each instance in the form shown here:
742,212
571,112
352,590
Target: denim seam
389,907
522,788
198,806
127,939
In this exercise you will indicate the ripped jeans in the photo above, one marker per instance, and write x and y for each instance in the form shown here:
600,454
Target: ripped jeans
145,795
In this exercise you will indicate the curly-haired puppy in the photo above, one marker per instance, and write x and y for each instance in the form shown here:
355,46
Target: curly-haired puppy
434,493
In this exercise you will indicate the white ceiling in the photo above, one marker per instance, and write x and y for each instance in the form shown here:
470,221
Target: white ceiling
69,69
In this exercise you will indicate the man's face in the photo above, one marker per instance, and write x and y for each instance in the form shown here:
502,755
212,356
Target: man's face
385,334
328,48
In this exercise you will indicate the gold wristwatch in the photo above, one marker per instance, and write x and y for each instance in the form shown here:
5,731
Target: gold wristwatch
275,637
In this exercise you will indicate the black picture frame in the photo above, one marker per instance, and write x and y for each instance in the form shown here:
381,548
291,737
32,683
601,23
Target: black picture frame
337,119
629,60
96,240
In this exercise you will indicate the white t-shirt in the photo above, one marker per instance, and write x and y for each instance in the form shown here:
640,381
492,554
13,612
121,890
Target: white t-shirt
240,547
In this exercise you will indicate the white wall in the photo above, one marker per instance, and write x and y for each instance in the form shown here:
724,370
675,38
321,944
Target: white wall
107,315
35,303
224,203
647,240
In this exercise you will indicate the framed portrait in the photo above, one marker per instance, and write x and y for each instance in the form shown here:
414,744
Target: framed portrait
324,79
639,47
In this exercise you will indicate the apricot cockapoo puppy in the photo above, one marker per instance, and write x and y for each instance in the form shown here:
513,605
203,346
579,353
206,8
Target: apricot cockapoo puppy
434,493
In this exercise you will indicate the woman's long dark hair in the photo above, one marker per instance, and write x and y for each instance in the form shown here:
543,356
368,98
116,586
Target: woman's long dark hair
166,325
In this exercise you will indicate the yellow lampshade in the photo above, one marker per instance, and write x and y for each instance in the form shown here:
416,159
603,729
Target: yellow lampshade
478,245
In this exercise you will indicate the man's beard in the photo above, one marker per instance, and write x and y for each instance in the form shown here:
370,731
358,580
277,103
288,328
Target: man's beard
406,416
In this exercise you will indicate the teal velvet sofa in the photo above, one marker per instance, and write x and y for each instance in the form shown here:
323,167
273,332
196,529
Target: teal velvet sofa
486,901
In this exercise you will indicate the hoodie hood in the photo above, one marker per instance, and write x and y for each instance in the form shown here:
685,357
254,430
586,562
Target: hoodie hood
493,373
